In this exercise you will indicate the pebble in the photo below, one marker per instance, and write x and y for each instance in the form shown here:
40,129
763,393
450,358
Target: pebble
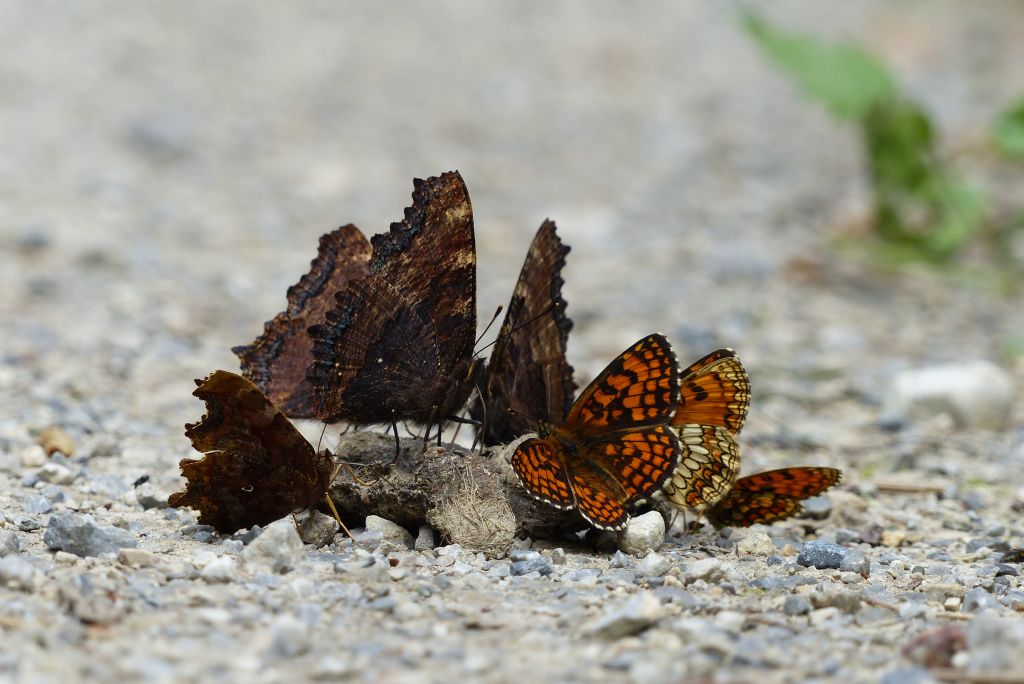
54,440
525,562
17,573
55,473
9,543
857,562
635,615
278,546
908,675
424,538
653,565
994,643
390,532
977,599
977,394
817,508
149,496
369,540
37,504
79,534
222,569
707,569
33,456
797,604
757,544
136,558
822,555
316,528
643,533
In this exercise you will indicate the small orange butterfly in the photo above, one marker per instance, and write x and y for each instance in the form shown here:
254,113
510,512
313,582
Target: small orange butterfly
714,394
770,496
615,445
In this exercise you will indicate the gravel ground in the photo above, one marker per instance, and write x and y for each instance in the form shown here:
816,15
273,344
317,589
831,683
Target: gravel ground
166,171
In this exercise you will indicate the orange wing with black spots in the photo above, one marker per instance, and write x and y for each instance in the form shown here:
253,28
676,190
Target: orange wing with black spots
616,446
714,391
640,387
707,466
770,496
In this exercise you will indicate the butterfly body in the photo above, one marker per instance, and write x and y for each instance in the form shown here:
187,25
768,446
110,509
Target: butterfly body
615,446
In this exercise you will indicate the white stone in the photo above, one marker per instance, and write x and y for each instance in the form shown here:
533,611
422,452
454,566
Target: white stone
653,565
707,569
393,532
33,456
220,570
757,544
977,394
635,615
643,533
55,473
279,546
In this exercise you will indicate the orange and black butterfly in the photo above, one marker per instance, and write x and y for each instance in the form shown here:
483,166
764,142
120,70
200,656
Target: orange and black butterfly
529,379
615,445
278,360
257,467
714,394
397,344
770,496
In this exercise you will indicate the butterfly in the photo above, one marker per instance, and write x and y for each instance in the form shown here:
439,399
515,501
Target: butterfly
528,375
615,445
278,360
257,468
398,343
714,394
770,496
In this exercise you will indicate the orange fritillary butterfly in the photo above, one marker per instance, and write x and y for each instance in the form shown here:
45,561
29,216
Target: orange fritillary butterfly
770,496
615,445
714,394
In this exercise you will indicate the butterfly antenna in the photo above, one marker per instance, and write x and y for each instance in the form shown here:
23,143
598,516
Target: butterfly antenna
319,441
497,312
478,434
517,328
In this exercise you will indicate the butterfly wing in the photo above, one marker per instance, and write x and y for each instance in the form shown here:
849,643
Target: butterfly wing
770,496
257,468
640,387
714,391
707,467
539,465
278,360
528,371
398,339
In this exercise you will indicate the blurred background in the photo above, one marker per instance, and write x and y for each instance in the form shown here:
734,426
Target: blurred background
832,189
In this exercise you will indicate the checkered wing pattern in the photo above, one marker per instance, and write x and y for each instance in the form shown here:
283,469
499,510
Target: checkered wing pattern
707,467
640,387
770,496
541,468
714,391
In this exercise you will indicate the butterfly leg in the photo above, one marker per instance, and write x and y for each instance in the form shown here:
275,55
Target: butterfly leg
398,442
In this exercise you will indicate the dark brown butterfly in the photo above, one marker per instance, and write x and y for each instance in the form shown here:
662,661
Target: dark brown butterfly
257,468
615,445
770,496
398,343
278,360
714,394
529,378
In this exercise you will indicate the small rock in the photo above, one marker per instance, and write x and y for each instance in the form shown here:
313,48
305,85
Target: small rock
55,473
279,546
558,556
936,647
653,565
620,560
526,562
977,394
707,569
757,544
34,503
317,528
136,558
1005,570
221,570
80,535
893,538
369,540
952,604
644,532
994,644
817,508
908,675
9,543
636,615
33,456
977,600
424,538
797,605
822,555
393,533
92,599
855,561
55,440
149,496
17,573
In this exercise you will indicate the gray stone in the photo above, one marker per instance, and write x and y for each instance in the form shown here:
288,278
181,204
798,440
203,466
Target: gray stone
977,600
93,599
632,617
644,532
1006,570
316,528
822,555
797,604
558,556
526,562
9,543
55,473
620,560
17,573
392,533
756,544
855,561
707,569
279,546
149,496
369,540
36,504
994,644
80,535
220,570
908,675
424,538
110,486
977,394
653,565
817,508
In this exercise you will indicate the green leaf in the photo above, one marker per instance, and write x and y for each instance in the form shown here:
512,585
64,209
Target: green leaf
1008,130
845,78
